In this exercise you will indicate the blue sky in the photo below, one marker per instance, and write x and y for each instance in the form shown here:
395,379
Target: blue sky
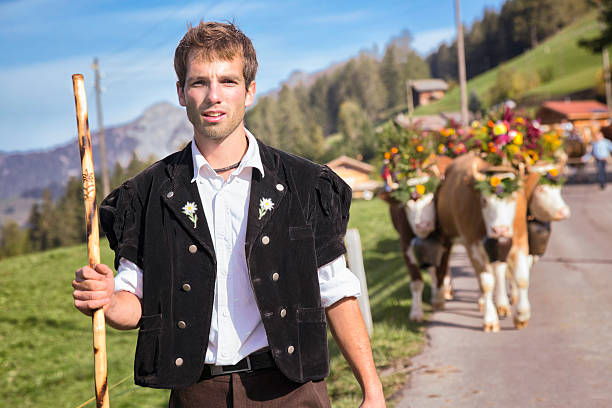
43,42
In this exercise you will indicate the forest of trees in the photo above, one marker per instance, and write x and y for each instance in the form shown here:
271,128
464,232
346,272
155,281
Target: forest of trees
499,36
346,102
53,224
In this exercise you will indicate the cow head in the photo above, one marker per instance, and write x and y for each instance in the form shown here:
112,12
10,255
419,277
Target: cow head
497,212
546,203
421,214
498,215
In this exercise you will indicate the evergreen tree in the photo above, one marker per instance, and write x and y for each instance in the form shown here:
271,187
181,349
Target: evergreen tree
391,76
13,240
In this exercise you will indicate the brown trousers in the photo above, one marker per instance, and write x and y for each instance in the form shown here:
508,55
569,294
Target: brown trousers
267,388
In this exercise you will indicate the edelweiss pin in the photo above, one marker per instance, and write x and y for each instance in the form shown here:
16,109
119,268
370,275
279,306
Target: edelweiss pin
190,210
265,205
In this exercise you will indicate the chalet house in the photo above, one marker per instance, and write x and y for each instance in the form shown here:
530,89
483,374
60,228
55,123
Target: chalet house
356,174
580,113
425,91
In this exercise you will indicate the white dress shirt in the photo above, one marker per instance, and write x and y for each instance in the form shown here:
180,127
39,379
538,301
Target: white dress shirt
236,328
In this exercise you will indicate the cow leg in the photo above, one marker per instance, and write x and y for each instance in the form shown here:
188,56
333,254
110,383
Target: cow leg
444,274
416,286
416,310
521,277
437,293
486,279
501,294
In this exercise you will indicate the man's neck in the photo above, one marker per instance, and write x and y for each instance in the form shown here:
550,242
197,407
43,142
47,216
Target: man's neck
225,152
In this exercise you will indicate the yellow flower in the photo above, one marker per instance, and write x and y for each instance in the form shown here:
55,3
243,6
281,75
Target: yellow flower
441,148
513,149
387,155
420,148
420,189
394,150
553,172
494,181
519,120
518,139
475,124
499,129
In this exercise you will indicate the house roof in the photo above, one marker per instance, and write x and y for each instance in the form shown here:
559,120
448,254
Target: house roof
346,161
424,85
578,109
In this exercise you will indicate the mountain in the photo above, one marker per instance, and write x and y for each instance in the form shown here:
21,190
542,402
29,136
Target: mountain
160,130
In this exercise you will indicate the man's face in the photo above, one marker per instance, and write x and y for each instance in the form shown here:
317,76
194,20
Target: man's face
215,97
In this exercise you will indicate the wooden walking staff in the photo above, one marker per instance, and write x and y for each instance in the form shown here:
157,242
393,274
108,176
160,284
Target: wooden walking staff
93,235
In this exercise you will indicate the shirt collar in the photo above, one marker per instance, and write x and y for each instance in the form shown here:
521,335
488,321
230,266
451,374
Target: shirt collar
251,158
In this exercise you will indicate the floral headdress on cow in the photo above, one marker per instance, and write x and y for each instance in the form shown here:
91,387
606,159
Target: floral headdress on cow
508,139
407,157
499,184
551,150
454,140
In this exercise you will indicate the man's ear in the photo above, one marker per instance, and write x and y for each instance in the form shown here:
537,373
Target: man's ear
181,94
250,95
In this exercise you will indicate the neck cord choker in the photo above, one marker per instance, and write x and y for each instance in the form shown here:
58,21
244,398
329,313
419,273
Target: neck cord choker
233,166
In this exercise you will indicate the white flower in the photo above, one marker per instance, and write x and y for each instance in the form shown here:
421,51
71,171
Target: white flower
265,205
190,211
190,208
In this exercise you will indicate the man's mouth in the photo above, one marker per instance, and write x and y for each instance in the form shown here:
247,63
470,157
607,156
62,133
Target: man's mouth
213,116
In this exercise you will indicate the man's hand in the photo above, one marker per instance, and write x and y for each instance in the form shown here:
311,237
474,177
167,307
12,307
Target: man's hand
93,288
349,330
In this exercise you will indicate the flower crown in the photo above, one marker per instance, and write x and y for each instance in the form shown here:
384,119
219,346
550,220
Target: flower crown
498,184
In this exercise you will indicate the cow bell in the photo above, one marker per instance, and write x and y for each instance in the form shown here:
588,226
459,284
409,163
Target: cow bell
538,234
497,248
427,251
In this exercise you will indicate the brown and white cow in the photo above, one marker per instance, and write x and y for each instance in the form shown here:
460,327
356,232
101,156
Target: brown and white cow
415,220
482,223
539,203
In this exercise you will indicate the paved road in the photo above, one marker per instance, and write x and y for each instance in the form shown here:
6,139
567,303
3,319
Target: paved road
562,359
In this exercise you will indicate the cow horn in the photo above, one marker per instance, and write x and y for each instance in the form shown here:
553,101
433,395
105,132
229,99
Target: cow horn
478,176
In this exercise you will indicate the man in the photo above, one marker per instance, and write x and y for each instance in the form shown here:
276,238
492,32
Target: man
601,149
229,254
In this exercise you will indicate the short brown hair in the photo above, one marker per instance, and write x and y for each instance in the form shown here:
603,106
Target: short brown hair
212,40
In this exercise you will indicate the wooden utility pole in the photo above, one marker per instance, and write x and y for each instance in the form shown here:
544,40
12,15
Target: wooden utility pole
101,137
461,63
410,99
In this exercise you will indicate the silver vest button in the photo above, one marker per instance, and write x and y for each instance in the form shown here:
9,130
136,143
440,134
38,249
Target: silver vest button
186,287
181,324
275,276
170,195
265,240
178,362
290,349
193,249
283,312
280,187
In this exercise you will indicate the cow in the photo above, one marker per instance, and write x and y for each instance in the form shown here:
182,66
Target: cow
415,220
482,223
539,205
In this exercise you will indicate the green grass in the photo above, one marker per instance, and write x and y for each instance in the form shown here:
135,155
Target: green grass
573,69
46,345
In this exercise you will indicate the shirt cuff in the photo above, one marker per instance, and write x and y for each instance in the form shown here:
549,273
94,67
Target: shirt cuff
336,281
129,277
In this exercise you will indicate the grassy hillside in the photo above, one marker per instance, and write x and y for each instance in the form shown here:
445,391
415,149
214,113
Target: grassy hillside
562,66
45,344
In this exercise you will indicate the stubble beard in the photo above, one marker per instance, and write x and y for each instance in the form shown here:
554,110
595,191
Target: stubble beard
213,132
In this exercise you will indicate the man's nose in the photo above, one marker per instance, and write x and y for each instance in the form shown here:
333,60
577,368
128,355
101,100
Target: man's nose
214,93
